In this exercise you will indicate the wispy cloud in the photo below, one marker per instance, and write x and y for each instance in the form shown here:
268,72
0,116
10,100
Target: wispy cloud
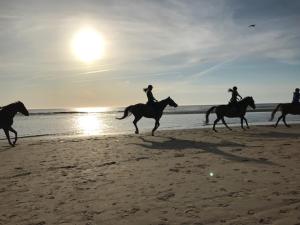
173,42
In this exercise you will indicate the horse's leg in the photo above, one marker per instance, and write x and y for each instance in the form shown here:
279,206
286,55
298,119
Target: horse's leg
7,136
15,132
155,126
279,118
136,119
215,122
223,121
242,123
246,122
283,118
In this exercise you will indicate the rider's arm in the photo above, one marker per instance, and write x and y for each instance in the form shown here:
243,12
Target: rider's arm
239,96
152,97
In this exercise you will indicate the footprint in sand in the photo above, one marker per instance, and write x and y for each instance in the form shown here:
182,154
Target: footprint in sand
251,212
267,220
179,155
166,196
38,223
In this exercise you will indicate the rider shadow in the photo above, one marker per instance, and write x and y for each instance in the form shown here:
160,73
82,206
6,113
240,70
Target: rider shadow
214,148
274,134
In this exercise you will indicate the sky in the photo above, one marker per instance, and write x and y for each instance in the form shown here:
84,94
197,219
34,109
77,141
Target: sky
191,50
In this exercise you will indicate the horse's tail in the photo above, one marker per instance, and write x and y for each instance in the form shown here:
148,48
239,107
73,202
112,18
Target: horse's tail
126,113
274,111
207,114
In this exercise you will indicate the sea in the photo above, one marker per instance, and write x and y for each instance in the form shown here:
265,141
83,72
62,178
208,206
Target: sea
102,120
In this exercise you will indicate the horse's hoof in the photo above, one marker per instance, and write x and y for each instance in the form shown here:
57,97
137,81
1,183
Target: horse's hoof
215,130
248,127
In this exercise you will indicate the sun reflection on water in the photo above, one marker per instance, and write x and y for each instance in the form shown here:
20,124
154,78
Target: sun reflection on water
90,124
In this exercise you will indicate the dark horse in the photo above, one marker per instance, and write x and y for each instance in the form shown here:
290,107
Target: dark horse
155,112
231,111
287,108
7,114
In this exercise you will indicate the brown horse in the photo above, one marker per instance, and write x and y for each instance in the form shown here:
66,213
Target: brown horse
287,108
142,110
231,111
7,114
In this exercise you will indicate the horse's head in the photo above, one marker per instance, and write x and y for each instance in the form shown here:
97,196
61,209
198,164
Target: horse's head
171,102
250,102
21,108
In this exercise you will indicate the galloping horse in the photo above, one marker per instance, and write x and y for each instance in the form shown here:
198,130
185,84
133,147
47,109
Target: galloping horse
155,112
7,114
287,108
231,111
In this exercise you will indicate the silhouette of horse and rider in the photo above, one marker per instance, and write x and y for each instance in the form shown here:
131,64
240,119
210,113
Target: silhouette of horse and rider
236,107
287,108
152,109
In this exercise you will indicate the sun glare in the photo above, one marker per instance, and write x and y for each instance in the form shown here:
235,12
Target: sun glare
88,45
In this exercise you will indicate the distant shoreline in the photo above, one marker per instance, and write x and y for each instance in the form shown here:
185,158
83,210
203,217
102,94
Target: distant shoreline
183,109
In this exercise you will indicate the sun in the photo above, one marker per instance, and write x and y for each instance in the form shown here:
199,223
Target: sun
88,45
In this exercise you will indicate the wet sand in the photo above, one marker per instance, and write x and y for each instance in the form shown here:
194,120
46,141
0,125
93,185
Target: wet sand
184,177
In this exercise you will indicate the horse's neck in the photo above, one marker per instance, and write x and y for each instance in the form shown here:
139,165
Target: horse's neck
10,111
244,105
162,104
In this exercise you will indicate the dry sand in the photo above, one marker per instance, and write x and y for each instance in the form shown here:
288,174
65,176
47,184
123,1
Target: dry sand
184,177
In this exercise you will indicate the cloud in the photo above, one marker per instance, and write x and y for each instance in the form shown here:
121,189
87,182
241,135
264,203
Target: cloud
171,42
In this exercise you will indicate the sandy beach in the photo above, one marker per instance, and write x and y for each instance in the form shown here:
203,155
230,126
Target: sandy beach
184,177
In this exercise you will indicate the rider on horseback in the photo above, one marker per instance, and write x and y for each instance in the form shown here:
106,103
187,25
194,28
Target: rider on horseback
234,96
151,99
296,96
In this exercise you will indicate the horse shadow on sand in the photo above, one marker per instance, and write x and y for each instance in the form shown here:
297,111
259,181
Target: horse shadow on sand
275,134
207,147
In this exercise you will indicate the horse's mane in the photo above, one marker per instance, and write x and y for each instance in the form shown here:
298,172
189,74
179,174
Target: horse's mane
245,99
165,99
10,105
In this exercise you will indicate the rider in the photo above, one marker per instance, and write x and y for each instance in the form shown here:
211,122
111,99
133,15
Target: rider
234,95
151,99
296,96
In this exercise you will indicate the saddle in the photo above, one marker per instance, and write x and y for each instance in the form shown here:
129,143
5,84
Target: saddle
234,106
152,106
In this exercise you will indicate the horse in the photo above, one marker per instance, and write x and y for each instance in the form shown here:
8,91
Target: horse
7,114
231,111
285,108
142,110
